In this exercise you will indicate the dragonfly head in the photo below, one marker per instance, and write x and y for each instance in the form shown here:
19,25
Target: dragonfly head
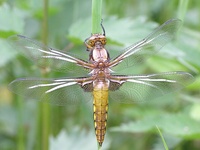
95,39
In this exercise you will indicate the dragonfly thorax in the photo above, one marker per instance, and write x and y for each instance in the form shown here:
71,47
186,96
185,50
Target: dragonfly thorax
99,56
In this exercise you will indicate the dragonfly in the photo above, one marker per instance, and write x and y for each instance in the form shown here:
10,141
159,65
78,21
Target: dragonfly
101,82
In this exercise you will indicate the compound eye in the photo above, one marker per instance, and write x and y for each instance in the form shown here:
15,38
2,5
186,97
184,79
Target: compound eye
103,41
91,43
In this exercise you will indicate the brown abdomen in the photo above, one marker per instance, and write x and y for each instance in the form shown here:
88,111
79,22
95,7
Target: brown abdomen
100,105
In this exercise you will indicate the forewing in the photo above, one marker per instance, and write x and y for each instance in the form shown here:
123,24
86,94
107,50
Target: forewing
44,56
53,91
141,88
150,45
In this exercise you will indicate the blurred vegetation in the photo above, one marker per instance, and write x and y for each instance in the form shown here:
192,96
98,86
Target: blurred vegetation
129,126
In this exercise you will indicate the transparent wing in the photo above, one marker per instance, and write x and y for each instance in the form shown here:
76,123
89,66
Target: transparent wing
53,91
143,49
130,89
44,56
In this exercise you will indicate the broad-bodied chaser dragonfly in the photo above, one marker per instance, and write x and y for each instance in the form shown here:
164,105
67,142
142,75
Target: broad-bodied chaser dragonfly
101,81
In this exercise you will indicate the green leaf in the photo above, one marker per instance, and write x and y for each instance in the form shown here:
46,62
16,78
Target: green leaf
76,140
79,30
132,31
188,44
195,111
6,52
126,30
8,120
11,20
175,124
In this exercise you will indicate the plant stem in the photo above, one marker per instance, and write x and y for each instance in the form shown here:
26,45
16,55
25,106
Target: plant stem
45,22
99,147
20,138
182,8
96,16
45,110
45,126
163,140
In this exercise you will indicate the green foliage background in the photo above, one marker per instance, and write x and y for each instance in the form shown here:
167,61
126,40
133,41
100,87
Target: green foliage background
22,122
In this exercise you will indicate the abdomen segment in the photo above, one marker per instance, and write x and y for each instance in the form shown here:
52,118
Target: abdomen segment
100,105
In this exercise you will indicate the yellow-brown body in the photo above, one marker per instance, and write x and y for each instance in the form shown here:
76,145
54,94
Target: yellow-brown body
100,105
